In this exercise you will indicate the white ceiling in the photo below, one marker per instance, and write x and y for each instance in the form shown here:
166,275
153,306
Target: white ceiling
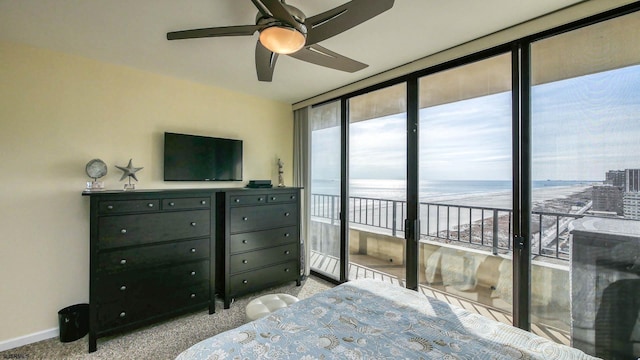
133,33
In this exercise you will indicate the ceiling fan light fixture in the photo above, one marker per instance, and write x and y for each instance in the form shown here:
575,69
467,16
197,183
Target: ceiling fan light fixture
282,39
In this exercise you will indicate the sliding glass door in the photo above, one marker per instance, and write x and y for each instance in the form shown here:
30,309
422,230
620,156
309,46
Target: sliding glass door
585,233
466,186
377,184
324,208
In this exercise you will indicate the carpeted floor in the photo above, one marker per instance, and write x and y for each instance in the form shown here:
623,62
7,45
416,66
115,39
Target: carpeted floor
163,340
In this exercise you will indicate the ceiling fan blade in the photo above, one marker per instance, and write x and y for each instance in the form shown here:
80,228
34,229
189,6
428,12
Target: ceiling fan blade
242,30
319,55
265,62
278,11
261,8
332,22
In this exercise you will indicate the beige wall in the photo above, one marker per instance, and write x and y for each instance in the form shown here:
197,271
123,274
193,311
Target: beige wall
57,112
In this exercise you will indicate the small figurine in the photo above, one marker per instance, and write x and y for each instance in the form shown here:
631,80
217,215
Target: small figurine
129,172
280,172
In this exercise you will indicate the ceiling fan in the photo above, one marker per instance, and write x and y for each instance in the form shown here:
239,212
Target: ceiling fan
284,29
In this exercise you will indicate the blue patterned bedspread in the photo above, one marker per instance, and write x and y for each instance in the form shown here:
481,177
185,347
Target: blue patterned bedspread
370,319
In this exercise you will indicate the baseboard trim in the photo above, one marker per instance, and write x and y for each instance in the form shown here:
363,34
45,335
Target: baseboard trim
29,339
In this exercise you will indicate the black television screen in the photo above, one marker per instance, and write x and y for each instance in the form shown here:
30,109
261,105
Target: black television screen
201,158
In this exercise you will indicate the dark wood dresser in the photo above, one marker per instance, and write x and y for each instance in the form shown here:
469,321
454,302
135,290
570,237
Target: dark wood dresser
151,257
258,244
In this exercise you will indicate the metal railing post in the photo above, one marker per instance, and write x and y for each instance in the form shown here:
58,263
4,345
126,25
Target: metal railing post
557,236
448,224
540,236
495,231
482,226
333,210
438,220
470,224
394,211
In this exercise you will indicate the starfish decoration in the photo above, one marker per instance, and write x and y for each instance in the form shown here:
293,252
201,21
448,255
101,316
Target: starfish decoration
129,171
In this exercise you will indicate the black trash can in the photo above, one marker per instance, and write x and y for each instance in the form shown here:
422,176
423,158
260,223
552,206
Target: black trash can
74,322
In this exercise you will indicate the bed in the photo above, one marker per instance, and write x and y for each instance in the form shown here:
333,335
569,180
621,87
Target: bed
371,319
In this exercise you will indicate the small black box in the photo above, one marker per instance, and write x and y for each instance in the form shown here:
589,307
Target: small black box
259,184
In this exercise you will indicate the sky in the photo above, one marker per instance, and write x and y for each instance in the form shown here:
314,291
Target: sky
581,128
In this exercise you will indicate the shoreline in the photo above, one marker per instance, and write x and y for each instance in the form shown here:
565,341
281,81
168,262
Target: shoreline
568,199
540,197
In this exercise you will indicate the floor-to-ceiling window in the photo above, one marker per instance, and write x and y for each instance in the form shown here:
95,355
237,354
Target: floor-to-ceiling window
550,165
585,152
465,183
324,208
377,183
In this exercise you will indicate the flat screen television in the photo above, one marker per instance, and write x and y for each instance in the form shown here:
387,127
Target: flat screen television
201,158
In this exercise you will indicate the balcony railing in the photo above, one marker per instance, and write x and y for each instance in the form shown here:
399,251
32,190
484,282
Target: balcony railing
483,227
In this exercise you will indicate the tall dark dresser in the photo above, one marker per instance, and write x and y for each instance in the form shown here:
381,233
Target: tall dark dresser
151,257
258,244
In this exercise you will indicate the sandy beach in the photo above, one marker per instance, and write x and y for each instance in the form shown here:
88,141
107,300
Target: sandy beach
541,197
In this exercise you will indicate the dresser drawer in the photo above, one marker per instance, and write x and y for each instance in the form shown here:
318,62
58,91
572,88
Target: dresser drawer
119,313
283,197
261,239
251,218
242,200
126,230
186,203
259,258
252,280
150,283
128,206
154,255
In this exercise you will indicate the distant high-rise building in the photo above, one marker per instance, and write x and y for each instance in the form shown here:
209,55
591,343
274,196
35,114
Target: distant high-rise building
632,180
624,201
615,178
631,202
607,198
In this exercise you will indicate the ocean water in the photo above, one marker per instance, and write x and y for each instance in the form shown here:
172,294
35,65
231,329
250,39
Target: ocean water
430,190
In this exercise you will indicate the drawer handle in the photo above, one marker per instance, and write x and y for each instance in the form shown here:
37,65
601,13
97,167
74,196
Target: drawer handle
193,223
292,197
245,241
287,214
172,204
260,199
273,198
123,231
109,207
123,315
123,261
203,202
245,281
287,234
237,200
245,261
286,270
244,218
193,296
193,250
193,273
287,252
150,205
123,288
